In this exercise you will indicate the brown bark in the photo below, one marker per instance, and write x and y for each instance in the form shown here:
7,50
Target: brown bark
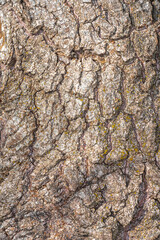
79,119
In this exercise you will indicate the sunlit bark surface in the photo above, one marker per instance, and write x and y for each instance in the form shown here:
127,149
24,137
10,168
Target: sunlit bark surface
80,119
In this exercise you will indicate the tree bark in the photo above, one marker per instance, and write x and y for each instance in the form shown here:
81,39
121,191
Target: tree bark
80,119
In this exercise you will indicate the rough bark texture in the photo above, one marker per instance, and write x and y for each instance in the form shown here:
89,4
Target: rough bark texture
80,119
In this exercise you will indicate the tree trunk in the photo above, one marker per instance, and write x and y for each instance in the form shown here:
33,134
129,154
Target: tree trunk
80,119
